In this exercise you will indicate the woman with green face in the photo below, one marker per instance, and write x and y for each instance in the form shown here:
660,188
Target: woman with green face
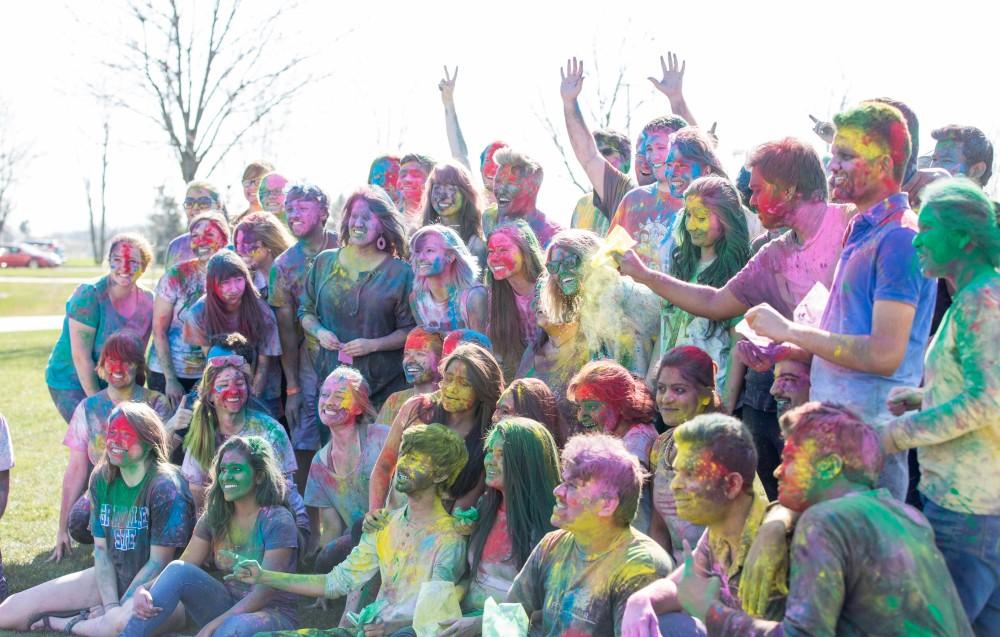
954,424
246,517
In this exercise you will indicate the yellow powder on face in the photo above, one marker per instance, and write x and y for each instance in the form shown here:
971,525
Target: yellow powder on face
859,143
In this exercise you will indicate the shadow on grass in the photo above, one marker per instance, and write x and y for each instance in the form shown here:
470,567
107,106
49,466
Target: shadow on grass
24,575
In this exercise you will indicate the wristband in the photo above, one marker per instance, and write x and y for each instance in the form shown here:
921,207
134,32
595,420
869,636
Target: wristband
291,391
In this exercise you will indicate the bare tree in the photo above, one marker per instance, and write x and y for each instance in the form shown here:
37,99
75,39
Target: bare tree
14,156
207,88
98,236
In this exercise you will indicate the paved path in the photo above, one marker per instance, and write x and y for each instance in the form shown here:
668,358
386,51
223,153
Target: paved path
31,323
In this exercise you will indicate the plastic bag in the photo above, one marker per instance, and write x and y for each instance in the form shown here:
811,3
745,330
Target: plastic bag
504,620
436,602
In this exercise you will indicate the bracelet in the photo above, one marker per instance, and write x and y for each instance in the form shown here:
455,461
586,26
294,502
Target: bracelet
291,391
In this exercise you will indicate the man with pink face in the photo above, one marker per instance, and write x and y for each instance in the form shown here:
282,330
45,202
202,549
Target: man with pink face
901,587
308,209
421,357
413,172
516,186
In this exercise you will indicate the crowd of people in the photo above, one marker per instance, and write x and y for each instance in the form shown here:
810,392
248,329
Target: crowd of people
763,404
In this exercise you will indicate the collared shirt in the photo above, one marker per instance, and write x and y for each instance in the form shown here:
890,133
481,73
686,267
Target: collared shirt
957,433
878,263
714,557
862,565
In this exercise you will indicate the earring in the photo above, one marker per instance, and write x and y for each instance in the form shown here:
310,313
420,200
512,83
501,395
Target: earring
380,243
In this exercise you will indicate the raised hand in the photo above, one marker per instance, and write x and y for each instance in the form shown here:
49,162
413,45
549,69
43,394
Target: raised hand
447,87
694,592
825,130
375,520
572,79
672,82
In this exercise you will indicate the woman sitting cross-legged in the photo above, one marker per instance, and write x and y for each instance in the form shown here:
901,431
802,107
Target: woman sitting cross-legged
141,514
246,517
123,366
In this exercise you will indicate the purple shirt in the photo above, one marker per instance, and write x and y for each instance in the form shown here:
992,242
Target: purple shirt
878,263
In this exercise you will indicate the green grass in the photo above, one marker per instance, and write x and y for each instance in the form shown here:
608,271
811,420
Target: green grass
28,299
28,528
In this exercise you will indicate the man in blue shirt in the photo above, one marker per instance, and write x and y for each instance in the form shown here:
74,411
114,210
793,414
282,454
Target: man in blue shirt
877,320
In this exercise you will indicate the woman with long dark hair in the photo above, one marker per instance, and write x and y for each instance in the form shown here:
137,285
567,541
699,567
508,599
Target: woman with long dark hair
355,303
451,200
515,261
141,513
522,471
246,517
532,398
230,304
471,383
123,366
174,364
685,388
93,313
713,247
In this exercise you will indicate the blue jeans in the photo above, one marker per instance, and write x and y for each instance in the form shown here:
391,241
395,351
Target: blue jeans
971,548
204,599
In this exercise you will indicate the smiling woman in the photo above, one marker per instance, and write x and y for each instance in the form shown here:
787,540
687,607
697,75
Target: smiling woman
446,292
93,313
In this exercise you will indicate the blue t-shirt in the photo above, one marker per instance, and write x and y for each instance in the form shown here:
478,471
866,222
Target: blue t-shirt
878,263
91,305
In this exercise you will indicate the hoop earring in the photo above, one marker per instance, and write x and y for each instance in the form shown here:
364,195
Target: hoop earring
380,243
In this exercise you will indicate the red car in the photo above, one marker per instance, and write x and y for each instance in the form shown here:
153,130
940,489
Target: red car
23,256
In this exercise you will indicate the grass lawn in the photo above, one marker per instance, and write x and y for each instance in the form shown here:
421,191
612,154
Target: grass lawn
28,528
29,299
83,272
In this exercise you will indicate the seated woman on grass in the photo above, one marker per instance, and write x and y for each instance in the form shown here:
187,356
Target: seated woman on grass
522,470
141,513
123,366
340,471
222,412
246,517
419,542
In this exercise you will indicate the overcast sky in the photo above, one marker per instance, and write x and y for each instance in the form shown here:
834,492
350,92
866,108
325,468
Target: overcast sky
757,68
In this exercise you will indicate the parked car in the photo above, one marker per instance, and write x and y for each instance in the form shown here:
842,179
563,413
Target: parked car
26,256
47,245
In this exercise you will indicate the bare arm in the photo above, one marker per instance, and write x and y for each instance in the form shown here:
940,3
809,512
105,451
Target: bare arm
276,561
456,143
580,137
880,352
4,490
81,340
378,488
104,573
163,316
260,377
672,86
331,524
699,300
734,375
477,310
74,482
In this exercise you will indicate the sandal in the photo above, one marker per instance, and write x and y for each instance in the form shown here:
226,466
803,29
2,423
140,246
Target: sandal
47,617
68,628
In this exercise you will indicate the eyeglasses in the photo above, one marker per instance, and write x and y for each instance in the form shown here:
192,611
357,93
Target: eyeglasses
230,360
250,183
201,203
570,262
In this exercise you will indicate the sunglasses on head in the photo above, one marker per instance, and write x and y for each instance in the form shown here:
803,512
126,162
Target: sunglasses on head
234,360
